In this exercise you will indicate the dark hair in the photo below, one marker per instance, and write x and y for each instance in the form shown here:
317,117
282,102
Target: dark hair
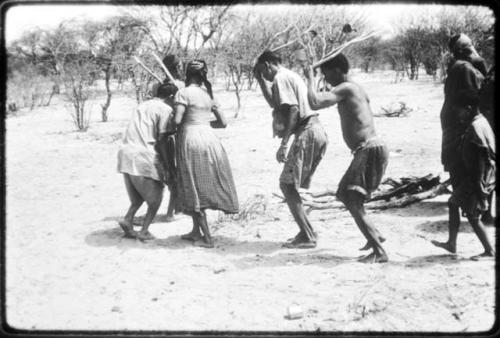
340,62
166,90
198,68
269,56
172,62
453,40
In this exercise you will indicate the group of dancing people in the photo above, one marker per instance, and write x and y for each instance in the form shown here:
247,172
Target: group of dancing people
169,141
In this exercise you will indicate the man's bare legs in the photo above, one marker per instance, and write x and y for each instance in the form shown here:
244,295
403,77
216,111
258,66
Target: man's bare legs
206,240
354,202
306,238
453,226
152,192
135,203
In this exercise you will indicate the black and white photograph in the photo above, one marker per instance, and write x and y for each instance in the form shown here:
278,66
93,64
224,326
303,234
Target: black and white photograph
249,168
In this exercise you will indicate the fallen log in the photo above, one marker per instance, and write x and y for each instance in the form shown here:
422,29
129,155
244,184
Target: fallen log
413,186
406,191
411,198
322,193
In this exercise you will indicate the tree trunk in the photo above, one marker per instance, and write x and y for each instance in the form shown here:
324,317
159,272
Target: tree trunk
236,79
105,106
52,93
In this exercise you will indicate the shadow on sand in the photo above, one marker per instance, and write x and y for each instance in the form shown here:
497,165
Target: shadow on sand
159,218
293,257
429,260
327,260
442,227
427,208
223,245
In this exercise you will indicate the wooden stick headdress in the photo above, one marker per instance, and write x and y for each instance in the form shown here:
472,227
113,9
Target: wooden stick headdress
336,51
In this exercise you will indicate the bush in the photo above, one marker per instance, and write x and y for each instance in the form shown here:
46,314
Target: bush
29,90
78,90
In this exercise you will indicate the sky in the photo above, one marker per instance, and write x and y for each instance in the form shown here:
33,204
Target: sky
24,17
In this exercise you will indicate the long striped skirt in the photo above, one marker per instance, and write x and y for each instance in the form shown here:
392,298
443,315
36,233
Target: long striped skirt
204,176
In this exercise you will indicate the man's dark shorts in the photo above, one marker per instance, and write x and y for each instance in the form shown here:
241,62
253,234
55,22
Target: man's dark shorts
306,152
366,170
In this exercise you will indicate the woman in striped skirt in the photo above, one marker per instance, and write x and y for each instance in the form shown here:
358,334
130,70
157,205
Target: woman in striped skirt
205,180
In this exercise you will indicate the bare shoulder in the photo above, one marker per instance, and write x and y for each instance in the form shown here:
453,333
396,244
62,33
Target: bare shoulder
349,88
345,89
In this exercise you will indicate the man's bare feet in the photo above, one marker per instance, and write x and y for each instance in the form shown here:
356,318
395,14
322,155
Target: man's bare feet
301,236
374,258
487,255
145,236
300,243
191,236
368,245
445,245
204,244
128,229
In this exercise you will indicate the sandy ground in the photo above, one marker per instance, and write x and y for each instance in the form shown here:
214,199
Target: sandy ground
69,267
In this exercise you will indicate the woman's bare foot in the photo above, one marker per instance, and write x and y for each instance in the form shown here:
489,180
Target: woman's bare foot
128,229
145,236
445,245
487,255
203,243
374,258
191,236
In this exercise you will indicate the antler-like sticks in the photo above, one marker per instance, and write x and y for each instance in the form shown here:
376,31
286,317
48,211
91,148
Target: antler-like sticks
295,40
147,69
162,65
336,51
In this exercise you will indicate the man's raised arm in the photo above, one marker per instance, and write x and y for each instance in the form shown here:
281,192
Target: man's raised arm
319,101
266,90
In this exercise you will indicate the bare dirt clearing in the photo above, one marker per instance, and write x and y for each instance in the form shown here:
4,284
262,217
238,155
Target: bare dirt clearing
68,266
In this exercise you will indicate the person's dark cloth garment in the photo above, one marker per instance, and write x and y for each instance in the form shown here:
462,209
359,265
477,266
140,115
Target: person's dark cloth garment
366,170
462,76
487,98
478,155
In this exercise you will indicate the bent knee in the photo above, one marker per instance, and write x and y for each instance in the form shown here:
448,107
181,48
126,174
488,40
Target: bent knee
286,187
154,204
351,198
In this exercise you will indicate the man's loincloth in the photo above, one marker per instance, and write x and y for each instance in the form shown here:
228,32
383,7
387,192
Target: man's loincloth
366,170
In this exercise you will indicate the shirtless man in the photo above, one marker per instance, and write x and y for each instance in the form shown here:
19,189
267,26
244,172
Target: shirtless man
370,153
141,160
287,95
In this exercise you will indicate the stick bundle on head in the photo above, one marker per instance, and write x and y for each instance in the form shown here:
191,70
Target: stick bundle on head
339,49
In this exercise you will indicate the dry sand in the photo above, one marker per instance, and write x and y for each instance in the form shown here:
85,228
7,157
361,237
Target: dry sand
69,267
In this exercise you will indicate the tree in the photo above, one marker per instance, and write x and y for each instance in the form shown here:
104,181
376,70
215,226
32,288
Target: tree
114,42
